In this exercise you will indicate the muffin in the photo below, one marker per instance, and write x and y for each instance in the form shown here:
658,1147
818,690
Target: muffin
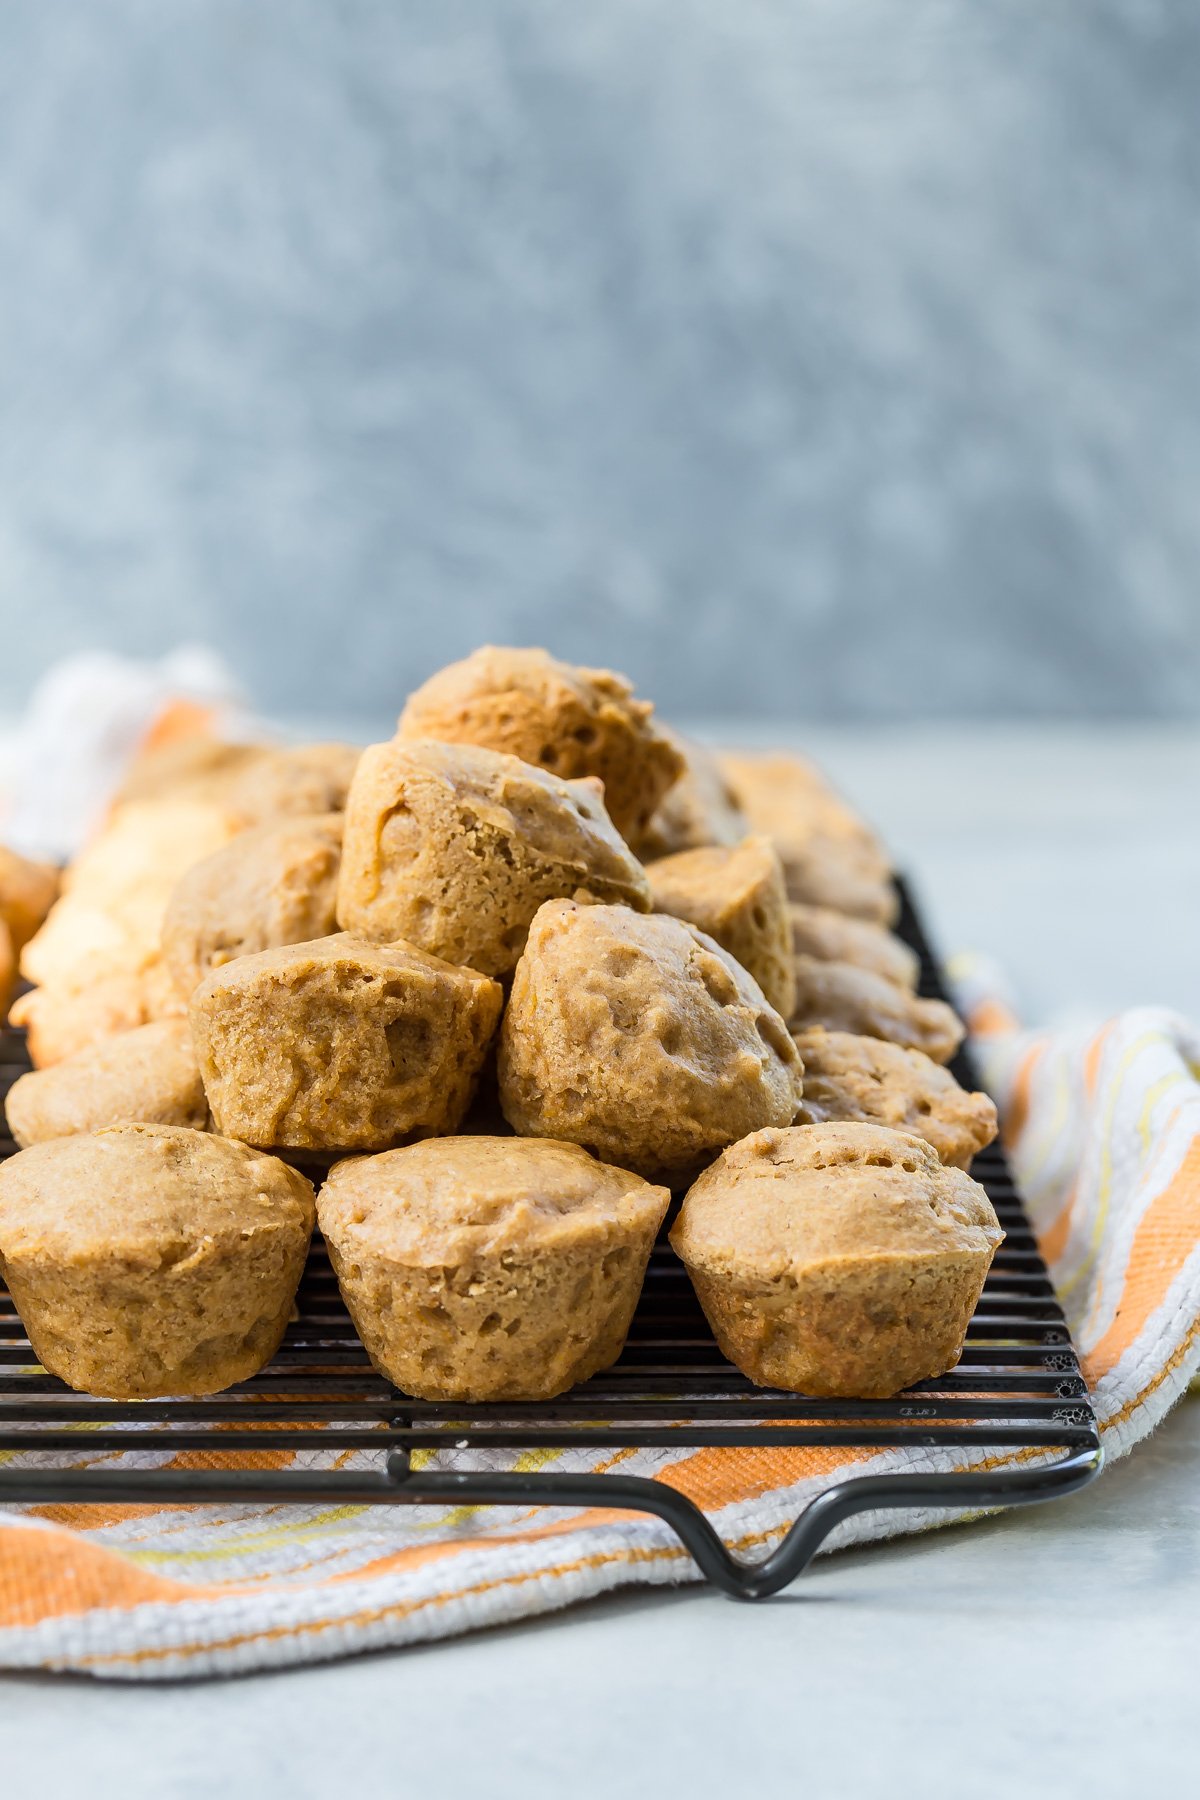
455,848
700,808
642,1040
840,1260
573,721
830,857
341,1044
152,1260
8,969
877,1083
28,890
841,997
308,779
195,767
276,885
65,1018
483,1268
736,896
835,937
147,1076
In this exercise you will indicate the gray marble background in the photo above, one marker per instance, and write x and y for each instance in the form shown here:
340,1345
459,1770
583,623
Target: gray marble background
818,359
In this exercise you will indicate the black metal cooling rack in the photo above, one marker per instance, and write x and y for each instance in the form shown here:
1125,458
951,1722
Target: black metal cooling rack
1018,1388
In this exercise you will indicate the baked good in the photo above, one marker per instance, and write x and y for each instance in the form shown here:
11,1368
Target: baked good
341,1044
735,895
841,997
836,937
573,721
270,886
485,1268
196,766
455,848
830,857
28,890
877,1083
8,969
149,1259
641,1039
303,780
839,1260
145,1076
65,1018
699,808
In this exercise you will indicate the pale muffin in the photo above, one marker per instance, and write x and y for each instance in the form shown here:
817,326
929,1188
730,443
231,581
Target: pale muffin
341,1044
28,890
839,1260
307,779
484,1268
273,886
455,848
835,937
66,1018
877,1083
641,1039
830,857
700,808
146,1076
194,767
737,896
150,1260
841,997
573,721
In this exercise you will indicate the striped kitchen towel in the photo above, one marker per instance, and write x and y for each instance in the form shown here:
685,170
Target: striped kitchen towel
1104,1130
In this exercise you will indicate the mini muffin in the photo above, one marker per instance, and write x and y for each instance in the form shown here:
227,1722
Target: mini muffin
484,1268
273,886
341,1044
150,1260
839,1260
27,892
195,767
311,778
146,1076
830,857
835,937
736,896
641,1039
841,997
876,1083
572,721
455,848
699,809
65,1018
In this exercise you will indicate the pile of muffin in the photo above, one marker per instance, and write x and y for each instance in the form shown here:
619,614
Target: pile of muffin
506,981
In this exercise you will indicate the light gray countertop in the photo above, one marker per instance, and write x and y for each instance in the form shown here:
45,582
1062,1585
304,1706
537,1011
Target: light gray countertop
1049,1652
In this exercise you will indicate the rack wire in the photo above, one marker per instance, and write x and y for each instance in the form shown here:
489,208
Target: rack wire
1017,1388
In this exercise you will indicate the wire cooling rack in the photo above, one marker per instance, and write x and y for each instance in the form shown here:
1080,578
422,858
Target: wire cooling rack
1018,1387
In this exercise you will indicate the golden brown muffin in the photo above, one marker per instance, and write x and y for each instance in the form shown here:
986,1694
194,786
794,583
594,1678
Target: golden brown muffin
273,886
65,1018
736,896
195,767
841,997
876,1083
835,937
573,721
455,848
839,1260
485,1268
28,890
302,781
146,1076
149,1259
641,1039
830,857
699,809
341,1044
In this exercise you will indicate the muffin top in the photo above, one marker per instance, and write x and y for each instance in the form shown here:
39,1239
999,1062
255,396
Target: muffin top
698,809
712,880
570,720
782,1201
149,1195
455,847
309,778
271,886
850,1077
833,936
148,1073
442,1200
842,997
